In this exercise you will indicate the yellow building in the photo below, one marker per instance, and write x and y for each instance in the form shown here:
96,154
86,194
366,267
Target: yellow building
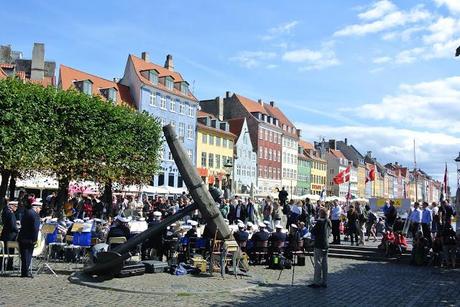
214,149
361,181
318,174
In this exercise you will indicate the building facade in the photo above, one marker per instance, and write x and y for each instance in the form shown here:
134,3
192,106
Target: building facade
265,132
318,177
163,93
214,151
358,169
245,161
303,170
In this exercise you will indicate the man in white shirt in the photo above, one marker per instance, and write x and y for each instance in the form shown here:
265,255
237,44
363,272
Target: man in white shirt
416,219
336,212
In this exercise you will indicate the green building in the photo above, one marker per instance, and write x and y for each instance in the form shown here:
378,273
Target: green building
303,174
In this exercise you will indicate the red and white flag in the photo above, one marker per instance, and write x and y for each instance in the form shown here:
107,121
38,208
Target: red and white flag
371,174
343,176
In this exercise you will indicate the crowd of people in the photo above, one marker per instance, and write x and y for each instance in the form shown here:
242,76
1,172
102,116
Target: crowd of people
261,226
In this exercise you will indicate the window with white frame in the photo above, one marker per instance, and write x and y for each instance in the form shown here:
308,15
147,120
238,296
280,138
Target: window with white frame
169,83
217,161
190,132
218,141
261,152
230,144
203,159
224,143
162,102
153,99
172,104
181,107
153,76
190,154
238,170
190,110
211,160
265,153
204,138
211,140
163,121
182,129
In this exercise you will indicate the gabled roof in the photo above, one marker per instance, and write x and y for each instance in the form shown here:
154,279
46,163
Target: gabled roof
68,76
277,113
314,157
236,124
350,152
250,105
141,65
337,153
305,145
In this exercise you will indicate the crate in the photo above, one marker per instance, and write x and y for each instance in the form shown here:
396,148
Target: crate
155,266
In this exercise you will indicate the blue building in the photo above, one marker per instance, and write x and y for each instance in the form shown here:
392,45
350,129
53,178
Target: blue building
162,92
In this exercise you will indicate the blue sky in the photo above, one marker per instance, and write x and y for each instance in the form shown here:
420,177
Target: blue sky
380,73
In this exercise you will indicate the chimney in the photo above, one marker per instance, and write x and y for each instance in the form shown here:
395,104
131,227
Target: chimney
298,132
260,102
38,62
272,104
220,108
332,144
169,63
145,56
228,94
116,80
346,141
369,154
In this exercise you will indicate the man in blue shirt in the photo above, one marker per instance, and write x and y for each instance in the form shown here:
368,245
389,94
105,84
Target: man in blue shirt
416,219
427,218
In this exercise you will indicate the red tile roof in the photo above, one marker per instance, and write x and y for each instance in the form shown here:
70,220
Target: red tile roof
3,74
277,113
68,76
141,65
306,145
337,153
6,65
250,105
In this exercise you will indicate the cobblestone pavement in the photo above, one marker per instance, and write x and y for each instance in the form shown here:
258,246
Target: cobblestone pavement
351,283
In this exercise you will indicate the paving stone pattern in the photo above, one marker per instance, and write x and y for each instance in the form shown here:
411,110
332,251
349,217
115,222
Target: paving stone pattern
351,283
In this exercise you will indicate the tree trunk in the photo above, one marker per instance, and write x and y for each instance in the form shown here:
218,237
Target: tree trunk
12,184
3,186
108,197
62,195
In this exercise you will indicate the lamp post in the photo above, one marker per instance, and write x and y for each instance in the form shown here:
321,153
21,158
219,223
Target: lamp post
457,195
229,168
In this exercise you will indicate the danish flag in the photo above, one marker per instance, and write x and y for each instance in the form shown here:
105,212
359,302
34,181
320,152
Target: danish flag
343,176
371,175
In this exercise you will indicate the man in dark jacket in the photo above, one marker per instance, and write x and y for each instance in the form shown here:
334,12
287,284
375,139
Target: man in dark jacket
321,232
10,229
282,196
30,226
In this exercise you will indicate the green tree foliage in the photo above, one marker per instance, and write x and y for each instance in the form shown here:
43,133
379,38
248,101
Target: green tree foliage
74,136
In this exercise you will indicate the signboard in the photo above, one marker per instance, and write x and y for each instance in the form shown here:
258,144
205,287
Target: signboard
402,205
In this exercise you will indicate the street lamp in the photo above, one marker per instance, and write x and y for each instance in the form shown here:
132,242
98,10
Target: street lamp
228,167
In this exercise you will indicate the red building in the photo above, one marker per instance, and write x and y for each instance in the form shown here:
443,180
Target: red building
265,132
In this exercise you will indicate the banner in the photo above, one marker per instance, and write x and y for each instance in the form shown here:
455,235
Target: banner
402,205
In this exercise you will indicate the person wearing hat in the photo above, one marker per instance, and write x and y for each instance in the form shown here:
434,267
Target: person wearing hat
119,228
241,235
10,229
294,239
278,239
28,235
261,235
192,233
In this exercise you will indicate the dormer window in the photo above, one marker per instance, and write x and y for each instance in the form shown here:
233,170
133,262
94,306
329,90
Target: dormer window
153,76
184,88
169,83
110,93
85,86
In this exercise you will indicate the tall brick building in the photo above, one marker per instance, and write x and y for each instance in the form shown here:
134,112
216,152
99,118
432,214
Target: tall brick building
265,131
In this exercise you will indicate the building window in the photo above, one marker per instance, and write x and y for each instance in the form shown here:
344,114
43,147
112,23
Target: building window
153,99
265,153
163,121
217,161
261,134
270,135
203,159
171,179
180,182
190,132
169,83
190,154
161,179
172,104
218,141
230,144
224,143
190,110
211,140
270,152
204,138
170,156
211,160
181,107
112,94
184,88
238,170
87,87
153,76
261,152
181,129
162,102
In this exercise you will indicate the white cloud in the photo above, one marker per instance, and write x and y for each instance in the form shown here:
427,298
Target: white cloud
404,35
452,5
442,30
428,105
409,56
389,21
280,30
312,59
252,59
381,60
377,10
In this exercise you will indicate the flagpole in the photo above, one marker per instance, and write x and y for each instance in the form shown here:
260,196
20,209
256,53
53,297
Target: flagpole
415,175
